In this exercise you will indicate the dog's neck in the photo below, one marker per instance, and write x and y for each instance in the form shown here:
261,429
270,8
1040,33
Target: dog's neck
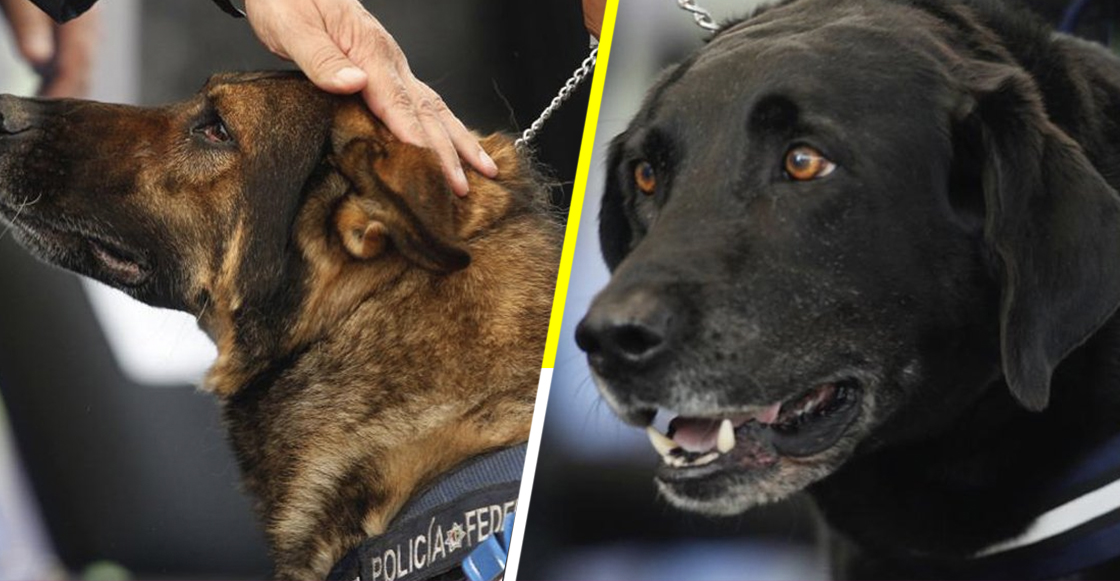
976,482
335,437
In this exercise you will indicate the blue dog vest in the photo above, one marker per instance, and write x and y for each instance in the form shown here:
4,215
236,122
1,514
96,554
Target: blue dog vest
1079,529
456,522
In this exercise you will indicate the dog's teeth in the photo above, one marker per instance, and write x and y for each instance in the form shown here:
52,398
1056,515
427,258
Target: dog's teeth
660,442
768,414
726,440
675,461
705,459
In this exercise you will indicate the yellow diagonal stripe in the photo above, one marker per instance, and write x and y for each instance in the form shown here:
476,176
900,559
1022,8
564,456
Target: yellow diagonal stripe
585,150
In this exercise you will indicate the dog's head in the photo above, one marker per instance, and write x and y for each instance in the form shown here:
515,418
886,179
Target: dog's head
832,229
263,206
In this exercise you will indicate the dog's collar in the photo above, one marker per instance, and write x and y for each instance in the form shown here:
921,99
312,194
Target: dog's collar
1079,530
436,530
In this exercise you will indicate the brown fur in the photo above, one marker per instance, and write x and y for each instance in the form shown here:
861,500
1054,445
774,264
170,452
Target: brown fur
392,331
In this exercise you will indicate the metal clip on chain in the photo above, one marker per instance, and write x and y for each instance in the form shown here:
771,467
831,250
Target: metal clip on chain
702,17
570,86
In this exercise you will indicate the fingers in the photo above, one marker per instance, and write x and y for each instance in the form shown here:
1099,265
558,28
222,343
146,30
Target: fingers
319,57
416,115
33,31
413,111
343,49
73,63
295,30
593,16
414,118
464,141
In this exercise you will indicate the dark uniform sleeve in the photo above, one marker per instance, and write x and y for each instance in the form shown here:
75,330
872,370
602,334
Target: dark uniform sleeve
63,10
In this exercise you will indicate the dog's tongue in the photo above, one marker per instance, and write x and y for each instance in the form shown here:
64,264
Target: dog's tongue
701,434
127,271
693,434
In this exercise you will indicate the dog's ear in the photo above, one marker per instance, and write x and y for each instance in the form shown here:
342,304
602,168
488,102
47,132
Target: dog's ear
615,233
401,199
362,234
1054,224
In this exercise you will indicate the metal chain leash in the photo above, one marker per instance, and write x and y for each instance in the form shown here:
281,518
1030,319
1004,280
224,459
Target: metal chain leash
566,91
702,17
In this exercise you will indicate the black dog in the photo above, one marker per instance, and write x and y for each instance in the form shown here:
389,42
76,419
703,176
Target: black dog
871,248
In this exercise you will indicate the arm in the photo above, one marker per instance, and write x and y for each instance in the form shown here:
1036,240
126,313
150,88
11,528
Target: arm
62,54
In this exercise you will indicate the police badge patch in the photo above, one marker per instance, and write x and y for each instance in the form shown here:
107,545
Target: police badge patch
435,532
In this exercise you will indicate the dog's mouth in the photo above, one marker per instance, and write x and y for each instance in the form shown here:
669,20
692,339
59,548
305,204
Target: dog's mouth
120,265
756,438
81,250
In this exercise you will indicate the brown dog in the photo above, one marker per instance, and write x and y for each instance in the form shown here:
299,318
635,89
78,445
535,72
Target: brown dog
374,330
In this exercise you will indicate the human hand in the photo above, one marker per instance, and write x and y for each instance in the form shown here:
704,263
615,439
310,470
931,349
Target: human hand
61,54
343,49
593,16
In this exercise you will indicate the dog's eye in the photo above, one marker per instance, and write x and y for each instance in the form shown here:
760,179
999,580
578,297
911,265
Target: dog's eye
805,163
645,178
214,132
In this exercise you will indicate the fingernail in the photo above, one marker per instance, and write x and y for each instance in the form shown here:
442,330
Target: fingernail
461,177
488,166
349,76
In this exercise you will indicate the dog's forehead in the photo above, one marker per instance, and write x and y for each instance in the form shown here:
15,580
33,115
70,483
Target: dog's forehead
254,78
276,87
250,103
848,71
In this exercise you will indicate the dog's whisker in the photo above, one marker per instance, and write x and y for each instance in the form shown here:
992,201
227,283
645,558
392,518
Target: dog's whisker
27,203
19,210
205,305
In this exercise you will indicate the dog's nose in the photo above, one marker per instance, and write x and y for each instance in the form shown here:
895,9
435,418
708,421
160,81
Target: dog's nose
625,332
15,116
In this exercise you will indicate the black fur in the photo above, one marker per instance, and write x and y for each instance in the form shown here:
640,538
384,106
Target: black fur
962,264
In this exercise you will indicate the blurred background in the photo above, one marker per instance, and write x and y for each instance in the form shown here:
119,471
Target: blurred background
595,514
112,463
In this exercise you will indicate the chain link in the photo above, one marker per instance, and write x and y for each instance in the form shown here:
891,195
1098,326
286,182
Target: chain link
702,17
566,91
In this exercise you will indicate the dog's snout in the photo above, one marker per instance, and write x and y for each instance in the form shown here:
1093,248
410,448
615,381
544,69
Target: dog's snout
15,115
628,331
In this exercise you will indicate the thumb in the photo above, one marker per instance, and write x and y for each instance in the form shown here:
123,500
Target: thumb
34,32
320,58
